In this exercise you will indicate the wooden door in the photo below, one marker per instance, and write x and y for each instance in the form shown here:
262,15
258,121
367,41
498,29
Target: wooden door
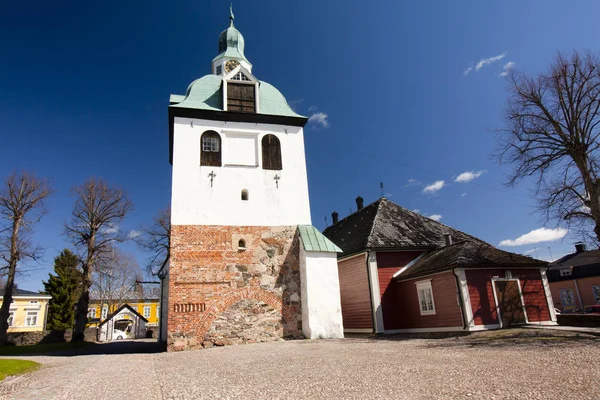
509,302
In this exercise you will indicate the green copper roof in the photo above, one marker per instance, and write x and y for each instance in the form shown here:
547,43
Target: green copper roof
313,240
206,94
231,42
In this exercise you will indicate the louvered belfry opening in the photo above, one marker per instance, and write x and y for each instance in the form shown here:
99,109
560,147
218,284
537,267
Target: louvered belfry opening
210,149
271,152
241,97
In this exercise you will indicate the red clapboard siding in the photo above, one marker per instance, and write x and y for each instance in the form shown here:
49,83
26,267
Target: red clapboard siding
389,263
406,313
482,295
534,295
355,294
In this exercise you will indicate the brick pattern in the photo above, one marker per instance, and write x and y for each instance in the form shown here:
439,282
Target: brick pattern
209,274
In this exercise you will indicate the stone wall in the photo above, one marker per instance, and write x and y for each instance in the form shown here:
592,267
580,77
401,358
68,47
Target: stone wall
42,337
220,293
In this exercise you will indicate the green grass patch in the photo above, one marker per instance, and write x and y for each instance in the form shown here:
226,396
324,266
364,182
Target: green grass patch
10,367
41,348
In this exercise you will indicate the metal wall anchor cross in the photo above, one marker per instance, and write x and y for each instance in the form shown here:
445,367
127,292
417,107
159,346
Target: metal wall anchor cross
277,178
212,176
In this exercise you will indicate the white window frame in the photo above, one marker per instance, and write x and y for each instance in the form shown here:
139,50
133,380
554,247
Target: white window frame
11,318
28,321
147,314
92,312
573,304
157,312
104,312
596,293
424,286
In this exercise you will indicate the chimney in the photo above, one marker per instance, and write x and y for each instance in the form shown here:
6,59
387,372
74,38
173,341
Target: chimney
359,203
448,239
580,247
334,218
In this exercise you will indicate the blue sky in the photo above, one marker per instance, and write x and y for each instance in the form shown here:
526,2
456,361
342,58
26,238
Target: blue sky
84,91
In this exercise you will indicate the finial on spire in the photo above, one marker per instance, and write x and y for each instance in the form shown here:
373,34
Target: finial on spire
231,17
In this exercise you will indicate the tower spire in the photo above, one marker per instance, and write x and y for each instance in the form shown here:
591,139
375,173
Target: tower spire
231,17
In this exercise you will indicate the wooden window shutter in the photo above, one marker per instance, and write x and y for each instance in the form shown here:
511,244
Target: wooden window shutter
271,153
210,149
241,98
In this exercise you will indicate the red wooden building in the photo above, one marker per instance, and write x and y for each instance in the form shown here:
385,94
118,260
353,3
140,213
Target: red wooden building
403,272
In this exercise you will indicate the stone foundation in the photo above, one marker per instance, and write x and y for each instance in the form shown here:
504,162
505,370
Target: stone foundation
221,294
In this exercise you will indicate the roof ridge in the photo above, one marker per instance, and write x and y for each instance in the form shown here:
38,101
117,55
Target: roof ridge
379,201
441,223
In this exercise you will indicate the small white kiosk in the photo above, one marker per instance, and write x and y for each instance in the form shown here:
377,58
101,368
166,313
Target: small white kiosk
125,323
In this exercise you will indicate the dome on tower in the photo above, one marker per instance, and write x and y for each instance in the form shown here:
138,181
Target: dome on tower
231,43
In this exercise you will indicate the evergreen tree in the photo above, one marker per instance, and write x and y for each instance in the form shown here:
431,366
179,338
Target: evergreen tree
65,288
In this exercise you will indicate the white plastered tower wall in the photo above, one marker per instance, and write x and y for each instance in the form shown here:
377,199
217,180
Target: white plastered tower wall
321,303
275,197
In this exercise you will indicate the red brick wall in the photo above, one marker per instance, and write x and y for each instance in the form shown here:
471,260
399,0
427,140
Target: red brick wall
406,313
208,274
355,294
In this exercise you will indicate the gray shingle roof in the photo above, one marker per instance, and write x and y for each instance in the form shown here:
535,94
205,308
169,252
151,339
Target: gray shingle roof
467,254
386,225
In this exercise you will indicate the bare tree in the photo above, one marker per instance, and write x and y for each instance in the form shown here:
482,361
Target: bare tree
156,240
93,228
22,201
114,279
552,135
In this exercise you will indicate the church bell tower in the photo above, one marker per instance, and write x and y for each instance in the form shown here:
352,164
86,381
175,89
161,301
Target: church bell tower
239,208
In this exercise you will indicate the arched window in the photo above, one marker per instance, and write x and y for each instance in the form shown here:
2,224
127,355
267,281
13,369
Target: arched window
242,245
210,149
244,194
271,152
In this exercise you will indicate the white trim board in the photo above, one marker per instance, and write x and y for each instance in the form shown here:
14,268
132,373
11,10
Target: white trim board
476,328
359,330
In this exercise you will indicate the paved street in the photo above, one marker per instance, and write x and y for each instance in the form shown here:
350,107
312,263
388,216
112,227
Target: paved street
505,364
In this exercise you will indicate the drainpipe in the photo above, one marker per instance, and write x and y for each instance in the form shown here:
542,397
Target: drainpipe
461,300
578,294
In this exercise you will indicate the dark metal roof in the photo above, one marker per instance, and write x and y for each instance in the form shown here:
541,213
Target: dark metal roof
21,292
386,225
467,254
583,264
109,317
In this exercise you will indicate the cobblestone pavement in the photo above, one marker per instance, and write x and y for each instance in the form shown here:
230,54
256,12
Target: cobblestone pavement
531,364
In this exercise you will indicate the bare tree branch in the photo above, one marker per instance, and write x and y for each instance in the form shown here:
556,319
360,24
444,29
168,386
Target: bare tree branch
551,134
22,204
93,229
156,240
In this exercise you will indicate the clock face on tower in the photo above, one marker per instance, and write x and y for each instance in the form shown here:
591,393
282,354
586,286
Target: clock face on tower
231,65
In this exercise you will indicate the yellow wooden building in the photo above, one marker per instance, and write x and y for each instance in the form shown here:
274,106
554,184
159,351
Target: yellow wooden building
148,308
28,311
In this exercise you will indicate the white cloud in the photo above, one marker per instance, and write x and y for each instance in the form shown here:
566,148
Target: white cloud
389,195
413,182
435,217
530,251
434,187
319,119
463,195
133,234
313,108
536,236
507,67
468,176
483,62
110,229
416,210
